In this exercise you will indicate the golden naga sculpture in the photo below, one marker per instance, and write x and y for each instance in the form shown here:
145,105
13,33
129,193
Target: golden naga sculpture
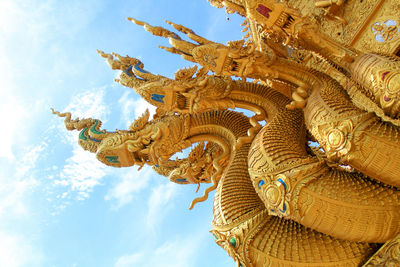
331,117
279,201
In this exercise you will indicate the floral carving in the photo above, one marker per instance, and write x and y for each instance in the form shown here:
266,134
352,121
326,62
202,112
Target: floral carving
337,139
385,31
276,193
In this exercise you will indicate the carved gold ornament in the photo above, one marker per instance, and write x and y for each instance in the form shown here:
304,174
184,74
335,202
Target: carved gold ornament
230,242
338,140
276,194
385,31
277,202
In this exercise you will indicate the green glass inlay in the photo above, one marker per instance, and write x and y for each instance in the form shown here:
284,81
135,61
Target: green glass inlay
82,134
93,129
112,159
215,236
233,242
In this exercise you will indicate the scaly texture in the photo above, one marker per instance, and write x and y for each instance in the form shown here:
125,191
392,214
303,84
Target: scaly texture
353,136
267,176
294,185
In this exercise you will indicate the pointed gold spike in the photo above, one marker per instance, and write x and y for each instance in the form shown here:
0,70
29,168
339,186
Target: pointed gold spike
172,50
184,46
190,33
103,54
155,30
179,27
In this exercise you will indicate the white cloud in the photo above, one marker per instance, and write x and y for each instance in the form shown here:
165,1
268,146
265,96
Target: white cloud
133,108
129,260
29,159
82,171
14,111
18,181
16,251
175,252
89,104
178,252
160,202
11,121
130,182
13,196
8,12
36,25
25,25
19,156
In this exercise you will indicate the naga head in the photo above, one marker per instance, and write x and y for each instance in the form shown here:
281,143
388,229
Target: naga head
191,90
142,144
152,143
234,59
198,166
132,72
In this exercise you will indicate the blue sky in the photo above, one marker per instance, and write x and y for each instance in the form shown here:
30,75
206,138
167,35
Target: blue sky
58,205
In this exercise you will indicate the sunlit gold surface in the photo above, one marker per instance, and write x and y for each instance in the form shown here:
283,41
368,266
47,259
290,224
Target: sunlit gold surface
323,71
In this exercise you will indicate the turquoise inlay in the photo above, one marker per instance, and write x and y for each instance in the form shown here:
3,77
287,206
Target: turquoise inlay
284,207
157,97
95,140
128,71
260,183
181,180
112,159
93,128
233,242
282,182
82,134
138,68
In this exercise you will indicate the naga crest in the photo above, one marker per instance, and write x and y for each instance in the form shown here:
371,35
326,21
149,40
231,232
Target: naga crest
237,58
152,143
191,90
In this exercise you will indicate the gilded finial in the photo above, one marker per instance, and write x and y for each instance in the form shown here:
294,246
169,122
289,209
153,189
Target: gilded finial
179,27
103,54
155,30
